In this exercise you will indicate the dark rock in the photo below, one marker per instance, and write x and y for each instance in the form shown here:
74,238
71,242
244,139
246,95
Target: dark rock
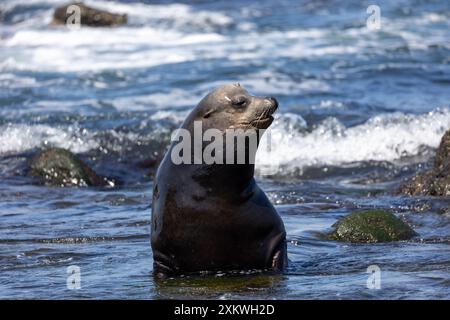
60,167
149,157
371,226
215,284
435,182
89,16
443,153
151,163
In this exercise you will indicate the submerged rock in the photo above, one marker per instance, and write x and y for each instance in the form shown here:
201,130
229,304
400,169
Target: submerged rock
89,16
217,285
151,163
150,157
371,226
435,182
60,167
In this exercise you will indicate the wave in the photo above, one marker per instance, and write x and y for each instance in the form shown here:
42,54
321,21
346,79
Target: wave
176,33
179,15
155,35
289,146
17,138
85,49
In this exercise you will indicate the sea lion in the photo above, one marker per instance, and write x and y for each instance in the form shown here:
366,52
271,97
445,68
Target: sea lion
214,217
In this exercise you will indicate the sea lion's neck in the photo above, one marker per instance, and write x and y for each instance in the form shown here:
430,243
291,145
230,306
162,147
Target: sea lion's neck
221,163
233,178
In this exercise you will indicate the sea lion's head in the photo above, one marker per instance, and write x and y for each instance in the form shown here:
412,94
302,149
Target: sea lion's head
232,107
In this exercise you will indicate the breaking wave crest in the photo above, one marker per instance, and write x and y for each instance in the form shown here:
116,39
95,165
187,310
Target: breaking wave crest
293,145
388,137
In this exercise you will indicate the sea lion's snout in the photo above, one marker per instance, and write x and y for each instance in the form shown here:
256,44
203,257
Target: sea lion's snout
264,108
272,104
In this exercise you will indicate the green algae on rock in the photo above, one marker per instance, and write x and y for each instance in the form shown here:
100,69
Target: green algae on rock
371,226
218,284
60,167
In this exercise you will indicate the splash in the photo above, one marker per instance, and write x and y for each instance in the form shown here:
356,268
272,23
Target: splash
387,137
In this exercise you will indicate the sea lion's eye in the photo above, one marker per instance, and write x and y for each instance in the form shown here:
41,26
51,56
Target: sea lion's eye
208,113
239,101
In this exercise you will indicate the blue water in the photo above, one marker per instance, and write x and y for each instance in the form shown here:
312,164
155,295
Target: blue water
360,111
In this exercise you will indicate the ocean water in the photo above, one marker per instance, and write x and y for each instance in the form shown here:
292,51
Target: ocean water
360,111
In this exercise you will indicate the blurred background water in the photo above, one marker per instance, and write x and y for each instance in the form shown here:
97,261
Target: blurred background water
360,111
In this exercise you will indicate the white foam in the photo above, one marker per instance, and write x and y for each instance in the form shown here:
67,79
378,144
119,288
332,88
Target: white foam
386,137
180,15
270,82
37,47
293,146
127,47
9,80
16,138
174,33
328,104
432,17
172,99
20,137
92,49
176,117
60,49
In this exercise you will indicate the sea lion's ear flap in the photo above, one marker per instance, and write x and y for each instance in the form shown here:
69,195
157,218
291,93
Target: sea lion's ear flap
237,84
208,113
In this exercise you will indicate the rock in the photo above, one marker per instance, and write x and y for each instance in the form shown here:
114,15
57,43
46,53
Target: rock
151,163
220,284
371,226
435,182
89,16
60,167
149,157
443,153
